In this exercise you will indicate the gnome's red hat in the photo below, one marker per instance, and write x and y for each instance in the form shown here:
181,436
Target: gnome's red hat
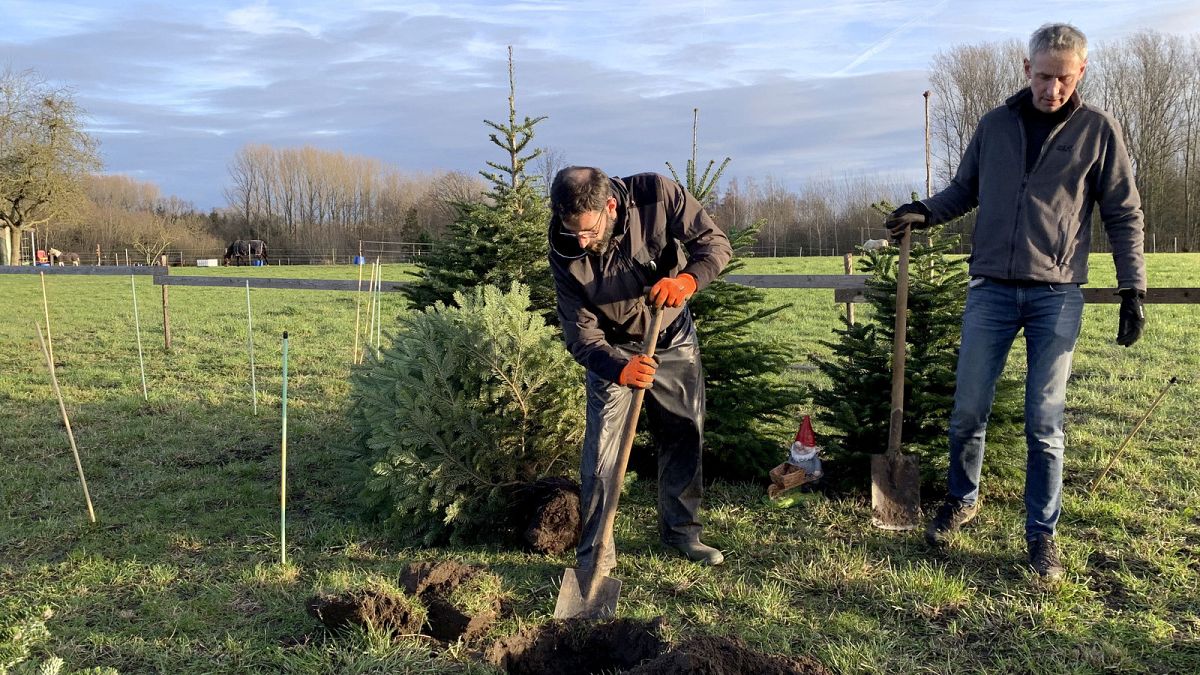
805,435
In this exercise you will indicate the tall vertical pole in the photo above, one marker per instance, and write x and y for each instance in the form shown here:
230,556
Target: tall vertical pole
137,327
928,159
46,311
283,461
250,348
166,312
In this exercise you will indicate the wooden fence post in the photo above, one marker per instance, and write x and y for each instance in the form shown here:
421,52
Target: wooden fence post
166,313
848,263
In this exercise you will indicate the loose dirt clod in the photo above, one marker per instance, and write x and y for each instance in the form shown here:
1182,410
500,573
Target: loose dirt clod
385,611
578,646
461,604
548,512
440,578
716,655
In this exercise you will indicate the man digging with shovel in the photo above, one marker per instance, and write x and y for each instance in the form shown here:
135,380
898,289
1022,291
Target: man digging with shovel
1035,167
618,248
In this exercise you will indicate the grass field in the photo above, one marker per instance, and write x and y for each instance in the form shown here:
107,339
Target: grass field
182,572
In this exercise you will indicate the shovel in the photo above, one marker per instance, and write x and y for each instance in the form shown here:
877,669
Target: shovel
583,594
896,478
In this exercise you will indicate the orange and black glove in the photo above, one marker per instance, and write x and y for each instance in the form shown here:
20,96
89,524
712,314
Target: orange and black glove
638,373
673,292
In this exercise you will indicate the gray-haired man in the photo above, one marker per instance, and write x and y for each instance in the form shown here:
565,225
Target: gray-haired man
1036,167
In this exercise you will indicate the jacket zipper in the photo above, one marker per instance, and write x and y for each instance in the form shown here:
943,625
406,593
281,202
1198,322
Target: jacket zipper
1012,243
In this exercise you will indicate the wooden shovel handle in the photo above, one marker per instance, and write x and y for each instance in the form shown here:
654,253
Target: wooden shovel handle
899,346
610,506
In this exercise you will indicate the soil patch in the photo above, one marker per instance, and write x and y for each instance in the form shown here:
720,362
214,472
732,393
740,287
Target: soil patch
459,601
547,514
578,646
384,611
715,655
440,578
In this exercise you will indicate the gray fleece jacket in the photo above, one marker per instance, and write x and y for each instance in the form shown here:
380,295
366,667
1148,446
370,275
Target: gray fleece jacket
1035,226
661,231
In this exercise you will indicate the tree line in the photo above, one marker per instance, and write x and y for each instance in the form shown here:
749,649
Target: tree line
314,199
1149,81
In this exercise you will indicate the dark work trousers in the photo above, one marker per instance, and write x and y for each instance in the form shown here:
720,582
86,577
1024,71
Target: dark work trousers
675,412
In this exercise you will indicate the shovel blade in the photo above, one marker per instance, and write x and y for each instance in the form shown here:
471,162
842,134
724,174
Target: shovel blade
573,602
895,491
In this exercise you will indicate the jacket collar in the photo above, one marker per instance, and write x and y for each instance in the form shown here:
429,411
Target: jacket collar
565,247
1015,101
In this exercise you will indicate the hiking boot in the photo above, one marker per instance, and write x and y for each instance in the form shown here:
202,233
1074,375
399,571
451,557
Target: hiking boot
1043,557
950,516
697,551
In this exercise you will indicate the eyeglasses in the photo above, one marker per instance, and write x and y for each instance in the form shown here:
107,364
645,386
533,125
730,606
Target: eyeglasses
594,232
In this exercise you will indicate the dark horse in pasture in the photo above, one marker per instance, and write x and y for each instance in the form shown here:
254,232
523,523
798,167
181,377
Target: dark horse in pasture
243,251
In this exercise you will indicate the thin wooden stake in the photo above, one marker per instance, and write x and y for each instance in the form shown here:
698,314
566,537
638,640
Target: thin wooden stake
283,462
166,312
46,310
357,306
250,346
62,408
137,327
370,313
1128,438
378,307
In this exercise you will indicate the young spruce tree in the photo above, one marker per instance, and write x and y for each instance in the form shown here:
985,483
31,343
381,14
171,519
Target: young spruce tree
500,240
749,406
856,402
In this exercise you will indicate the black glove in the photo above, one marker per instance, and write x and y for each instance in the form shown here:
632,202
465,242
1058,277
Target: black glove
912,214
1133,316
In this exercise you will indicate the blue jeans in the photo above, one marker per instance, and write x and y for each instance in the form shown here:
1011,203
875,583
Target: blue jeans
1051,315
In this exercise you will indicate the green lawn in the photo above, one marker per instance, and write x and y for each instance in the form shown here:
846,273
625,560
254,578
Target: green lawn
182,573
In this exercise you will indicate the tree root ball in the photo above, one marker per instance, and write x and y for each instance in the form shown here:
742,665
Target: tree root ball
546,513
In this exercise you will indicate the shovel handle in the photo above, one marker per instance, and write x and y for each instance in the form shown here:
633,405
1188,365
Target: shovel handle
896,422
610,507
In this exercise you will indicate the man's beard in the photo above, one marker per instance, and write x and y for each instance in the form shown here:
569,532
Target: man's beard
600,245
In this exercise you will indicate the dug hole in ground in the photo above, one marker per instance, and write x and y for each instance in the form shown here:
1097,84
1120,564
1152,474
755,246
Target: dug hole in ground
450,601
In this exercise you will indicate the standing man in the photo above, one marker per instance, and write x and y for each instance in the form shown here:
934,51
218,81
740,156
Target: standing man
1036,167
618,246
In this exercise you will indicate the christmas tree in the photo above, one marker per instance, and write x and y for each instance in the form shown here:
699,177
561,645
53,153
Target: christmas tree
502,239
749,407
856,401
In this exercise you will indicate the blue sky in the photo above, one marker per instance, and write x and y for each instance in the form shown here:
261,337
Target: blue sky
790,90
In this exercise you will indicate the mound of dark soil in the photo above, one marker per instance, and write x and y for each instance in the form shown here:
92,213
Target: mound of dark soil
715,655
365,608
435,584
546,512
440,578
578,646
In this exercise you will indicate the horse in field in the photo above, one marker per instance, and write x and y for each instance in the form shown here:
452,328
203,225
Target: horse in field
237,251
245,251
257,250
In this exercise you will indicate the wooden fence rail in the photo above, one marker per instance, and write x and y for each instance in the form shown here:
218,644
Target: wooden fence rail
847,288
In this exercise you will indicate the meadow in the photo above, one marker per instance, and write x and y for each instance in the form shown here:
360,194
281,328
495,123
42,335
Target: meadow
182,571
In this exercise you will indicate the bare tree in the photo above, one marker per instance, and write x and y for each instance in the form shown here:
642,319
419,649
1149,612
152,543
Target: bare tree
44,155
968,81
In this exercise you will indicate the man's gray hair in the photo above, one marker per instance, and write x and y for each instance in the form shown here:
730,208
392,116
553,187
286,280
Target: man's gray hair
579,189
1058,37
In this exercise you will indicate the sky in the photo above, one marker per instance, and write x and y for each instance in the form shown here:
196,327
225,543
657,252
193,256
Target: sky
790,90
